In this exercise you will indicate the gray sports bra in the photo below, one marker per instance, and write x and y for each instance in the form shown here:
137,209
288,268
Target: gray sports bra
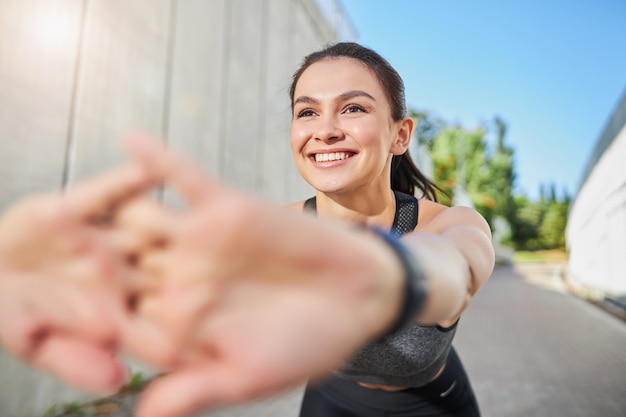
413,356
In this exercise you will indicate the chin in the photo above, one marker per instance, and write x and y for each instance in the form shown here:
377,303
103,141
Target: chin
331,183
327,186
336,187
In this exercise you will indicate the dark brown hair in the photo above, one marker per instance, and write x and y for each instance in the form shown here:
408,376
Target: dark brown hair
405,176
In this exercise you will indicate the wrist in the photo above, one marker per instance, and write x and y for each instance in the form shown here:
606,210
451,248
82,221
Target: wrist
412,290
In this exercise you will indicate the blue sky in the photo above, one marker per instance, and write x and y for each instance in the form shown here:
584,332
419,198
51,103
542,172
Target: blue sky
553,70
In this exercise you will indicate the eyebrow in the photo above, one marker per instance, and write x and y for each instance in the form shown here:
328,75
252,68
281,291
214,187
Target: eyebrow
342,97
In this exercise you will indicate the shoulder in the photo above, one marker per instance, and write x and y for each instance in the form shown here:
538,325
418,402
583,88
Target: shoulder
428,210
297,206
437,217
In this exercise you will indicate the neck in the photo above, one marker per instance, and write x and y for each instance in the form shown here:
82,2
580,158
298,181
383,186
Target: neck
374,208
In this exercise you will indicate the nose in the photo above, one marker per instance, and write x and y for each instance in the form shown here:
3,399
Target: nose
328,131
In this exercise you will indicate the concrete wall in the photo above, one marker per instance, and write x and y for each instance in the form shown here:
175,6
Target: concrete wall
596,230
210,76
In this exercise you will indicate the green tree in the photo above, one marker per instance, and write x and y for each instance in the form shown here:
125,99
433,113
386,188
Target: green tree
458,158
444,155
475,168
427,126
462,159
552,228
525,228
541,224
502,177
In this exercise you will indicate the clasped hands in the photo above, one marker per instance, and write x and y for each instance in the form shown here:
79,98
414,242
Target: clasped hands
232,297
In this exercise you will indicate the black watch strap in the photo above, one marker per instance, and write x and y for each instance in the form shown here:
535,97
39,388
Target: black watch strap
415,288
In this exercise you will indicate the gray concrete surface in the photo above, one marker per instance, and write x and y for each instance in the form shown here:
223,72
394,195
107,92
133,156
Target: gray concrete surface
209,76
534,350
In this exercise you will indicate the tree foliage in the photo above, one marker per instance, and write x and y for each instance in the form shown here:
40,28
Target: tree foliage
465,162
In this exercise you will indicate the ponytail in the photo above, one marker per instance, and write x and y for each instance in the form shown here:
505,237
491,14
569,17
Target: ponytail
407,178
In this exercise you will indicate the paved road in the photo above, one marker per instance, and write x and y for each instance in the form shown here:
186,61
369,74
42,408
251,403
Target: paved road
531,351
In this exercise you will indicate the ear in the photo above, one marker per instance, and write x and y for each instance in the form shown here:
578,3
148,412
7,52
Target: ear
403,137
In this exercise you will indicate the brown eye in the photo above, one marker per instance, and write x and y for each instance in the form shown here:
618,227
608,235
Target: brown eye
353,108
305,113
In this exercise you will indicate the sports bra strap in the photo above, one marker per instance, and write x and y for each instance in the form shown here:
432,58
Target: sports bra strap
404,220
310,205
406,214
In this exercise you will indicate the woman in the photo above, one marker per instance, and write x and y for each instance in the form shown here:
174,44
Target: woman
350,136
291,296
238,298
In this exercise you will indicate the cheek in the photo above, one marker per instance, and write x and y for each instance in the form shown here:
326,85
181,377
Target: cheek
368,134
297,138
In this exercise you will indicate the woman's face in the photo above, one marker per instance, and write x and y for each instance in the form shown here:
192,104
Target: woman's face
342,133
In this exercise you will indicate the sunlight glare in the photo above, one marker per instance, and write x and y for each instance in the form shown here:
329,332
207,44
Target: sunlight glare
53,29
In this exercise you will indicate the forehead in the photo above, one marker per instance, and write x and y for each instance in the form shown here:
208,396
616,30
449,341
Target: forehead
333,76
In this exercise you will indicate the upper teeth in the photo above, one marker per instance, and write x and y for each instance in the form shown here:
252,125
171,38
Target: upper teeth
334,156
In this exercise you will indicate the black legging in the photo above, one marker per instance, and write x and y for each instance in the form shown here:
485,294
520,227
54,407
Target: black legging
450,395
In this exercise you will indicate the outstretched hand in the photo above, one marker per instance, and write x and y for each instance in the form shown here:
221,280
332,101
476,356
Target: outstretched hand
65,280
254,298
234,297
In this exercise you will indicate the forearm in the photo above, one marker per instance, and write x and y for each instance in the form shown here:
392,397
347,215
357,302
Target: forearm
447,273
355,265
443,272
372,274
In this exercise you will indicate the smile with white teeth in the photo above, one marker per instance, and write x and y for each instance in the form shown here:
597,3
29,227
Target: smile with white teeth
333,156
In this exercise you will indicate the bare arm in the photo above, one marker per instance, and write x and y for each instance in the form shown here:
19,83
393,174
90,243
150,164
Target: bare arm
256,298
454,248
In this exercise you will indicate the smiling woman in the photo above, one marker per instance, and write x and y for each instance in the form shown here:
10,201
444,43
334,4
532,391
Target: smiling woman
350,137
383,94
238,298
341,107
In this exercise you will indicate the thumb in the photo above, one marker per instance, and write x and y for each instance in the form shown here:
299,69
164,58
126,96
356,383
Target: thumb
85,365
185,176
190,390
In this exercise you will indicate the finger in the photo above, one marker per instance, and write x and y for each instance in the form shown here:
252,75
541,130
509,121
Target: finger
99,196
185,176
144,339
35,329
91,312
126,251
165,325
150,223
21,328
189,390
98,275
153,264
81,364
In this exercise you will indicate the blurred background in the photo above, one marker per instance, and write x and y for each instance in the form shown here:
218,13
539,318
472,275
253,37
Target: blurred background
521,112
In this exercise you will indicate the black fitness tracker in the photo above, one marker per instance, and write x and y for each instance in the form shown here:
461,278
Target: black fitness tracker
415,288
